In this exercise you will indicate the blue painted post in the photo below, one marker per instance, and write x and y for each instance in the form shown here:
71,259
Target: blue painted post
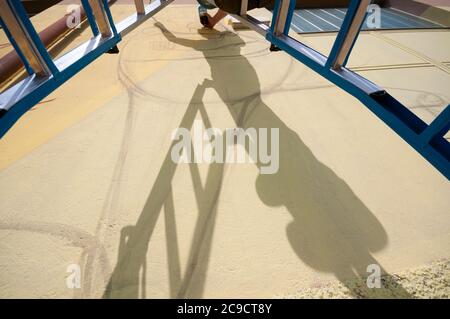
16,48
355,7
287,26
34,36
276,10
110,18
90,17
438,128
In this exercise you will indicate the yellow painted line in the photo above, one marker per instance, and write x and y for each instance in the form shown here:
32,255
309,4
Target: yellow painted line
415,53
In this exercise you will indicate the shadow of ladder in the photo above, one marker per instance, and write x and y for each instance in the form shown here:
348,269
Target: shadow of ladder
124,281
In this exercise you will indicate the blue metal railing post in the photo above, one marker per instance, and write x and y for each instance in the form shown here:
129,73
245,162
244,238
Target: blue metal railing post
19,10
110,18
276,10
438,128
16,48
355,7
90,17
287,26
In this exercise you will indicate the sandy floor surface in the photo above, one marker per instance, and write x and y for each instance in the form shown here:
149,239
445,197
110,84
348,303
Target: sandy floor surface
87,178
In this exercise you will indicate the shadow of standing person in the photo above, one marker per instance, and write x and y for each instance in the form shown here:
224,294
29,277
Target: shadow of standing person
332,231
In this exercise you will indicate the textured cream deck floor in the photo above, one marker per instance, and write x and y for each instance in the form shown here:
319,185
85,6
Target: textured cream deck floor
86,177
